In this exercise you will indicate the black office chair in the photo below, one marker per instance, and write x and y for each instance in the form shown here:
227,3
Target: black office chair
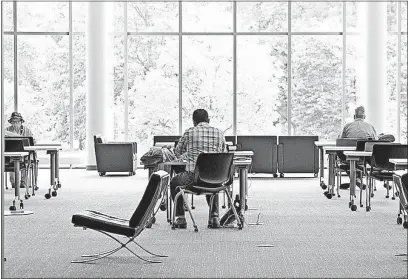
212,175
381,168
132,228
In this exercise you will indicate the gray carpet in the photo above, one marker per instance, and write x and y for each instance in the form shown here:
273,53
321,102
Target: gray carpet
311,235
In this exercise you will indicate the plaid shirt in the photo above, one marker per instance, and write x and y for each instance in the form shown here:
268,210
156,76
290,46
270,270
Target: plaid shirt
23,131
199,139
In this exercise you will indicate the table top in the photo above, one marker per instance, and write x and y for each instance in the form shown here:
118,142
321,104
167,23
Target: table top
358,153
402,161
242,162
16,154
325,143
243,153
339,148
42,147
48,143
236,162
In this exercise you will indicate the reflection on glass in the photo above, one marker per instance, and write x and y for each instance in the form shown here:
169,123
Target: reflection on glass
153,17
7,16
207,16
153,88
79,92
42,16
262,16
8,83
207,79
117,105
262,85
43,89
317,16
316,85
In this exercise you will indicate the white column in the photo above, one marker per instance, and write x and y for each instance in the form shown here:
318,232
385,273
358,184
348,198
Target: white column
98,84
374,90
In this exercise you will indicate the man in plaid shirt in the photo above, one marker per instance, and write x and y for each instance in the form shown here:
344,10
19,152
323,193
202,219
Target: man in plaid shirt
198,139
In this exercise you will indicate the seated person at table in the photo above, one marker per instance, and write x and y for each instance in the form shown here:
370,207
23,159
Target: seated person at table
358,129
198,139
18,129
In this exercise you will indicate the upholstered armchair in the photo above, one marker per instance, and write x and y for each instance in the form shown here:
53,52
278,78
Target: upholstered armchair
115,156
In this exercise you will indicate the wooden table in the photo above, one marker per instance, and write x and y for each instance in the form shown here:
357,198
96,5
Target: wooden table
17,158
332,152
353,157
53,150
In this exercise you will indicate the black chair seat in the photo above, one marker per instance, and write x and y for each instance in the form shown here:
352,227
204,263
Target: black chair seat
380,175
99,221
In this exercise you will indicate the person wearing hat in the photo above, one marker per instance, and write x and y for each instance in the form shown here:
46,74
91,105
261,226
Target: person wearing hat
18,129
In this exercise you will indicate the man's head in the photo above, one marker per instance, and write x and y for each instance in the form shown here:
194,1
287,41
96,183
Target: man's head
200,115
359,113
16,120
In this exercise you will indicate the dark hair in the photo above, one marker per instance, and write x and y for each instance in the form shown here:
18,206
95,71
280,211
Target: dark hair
200,115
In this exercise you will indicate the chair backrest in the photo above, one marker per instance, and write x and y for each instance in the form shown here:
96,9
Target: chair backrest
361,144
14,145
158,181
383,152
97,139
369,145
157,139
213,169
347,141
404,180
28,141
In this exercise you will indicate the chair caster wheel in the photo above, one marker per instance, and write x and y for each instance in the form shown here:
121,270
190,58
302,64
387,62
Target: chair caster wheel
368,208
193,207
240,226
281,175
399,220
173,227
12,208
47,196
59,185
372,195
26,196
133,172
397,194
353,207
149,225
163,207
329,196
36,188
361,205
153,220
387,197
275,175
338,196
405,225
223,206
393,198
324,186
101,173
21,205
195,229
54,193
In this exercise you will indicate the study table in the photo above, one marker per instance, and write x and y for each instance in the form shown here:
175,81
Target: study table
53,151
320,145
17,158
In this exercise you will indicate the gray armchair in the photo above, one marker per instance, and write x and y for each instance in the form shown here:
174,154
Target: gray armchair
115,156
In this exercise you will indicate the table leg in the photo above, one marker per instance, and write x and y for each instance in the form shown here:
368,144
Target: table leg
352,185
243,177
321,152
56,166
52,170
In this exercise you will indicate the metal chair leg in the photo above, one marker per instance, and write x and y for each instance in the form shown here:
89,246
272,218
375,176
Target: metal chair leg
240,225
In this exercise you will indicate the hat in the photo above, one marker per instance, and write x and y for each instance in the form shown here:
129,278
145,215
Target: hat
359,112
17,116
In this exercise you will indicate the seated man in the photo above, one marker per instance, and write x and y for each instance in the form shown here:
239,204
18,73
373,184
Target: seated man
198,139
358,129
17,129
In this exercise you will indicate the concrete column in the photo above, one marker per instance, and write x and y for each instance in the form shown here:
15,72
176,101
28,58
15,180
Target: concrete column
97,67
373,26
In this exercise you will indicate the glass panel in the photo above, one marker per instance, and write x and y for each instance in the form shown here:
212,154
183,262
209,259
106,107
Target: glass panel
153,88
79,15
43,16
207,79
391,107
404,20
8,82
262,85
7,16
207,16
79,64
262,16
352,9
43,89
118,16
392,9
317,16
153,17
117,106
404,88
316,86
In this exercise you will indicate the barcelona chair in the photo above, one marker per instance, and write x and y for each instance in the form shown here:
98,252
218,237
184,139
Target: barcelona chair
132,228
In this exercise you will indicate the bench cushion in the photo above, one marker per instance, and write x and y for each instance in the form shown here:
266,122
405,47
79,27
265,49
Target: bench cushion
99,221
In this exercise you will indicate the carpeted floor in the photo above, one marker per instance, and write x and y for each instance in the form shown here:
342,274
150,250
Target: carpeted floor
306,234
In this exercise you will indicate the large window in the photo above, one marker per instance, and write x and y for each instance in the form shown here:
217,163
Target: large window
280,63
